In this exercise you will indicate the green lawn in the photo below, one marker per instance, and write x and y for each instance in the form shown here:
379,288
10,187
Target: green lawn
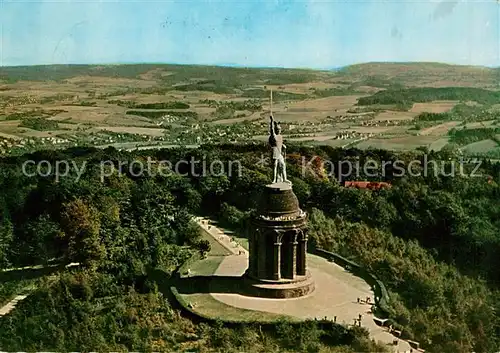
205,304
207,266
216,249
242,241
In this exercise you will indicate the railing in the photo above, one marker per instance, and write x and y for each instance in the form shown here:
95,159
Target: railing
381,294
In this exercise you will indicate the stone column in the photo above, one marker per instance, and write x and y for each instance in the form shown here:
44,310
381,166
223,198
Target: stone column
289,255
261,255
301,255
277,256
294,253
252,253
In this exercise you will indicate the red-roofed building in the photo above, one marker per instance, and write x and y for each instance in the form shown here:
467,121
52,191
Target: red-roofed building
372,185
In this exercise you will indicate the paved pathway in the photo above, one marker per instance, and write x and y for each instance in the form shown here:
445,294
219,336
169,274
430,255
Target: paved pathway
221,237
7,308
38,267
335,294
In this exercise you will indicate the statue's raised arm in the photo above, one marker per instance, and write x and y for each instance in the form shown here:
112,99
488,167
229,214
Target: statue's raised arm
271,126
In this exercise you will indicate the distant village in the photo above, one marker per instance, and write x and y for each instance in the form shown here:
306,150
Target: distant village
179,131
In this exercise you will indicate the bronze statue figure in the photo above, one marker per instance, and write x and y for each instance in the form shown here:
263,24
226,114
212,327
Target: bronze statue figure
277,146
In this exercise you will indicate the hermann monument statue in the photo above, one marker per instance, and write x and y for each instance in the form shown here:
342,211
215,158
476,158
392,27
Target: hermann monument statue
278,237
277,147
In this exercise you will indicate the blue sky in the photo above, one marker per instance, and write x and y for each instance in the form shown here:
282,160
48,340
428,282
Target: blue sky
307,33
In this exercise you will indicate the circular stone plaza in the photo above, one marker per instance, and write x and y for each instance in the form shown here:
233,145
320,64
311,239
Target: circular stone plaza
270,276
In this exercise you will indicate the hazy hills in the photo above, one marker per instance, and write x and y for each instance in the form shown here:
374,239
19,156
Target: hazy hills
380,75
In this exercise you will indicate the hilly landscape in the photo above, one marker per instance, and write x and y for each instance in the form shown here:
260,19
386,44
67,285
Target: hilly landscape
395,106
119,259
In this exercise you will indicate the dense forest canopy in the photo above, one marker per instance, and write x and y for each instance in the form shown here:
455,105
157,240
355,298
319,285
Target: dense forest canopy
433,239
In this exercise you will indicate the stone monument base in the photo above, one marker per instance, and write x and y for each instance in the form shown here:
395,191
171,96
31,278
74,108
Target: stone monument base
280,289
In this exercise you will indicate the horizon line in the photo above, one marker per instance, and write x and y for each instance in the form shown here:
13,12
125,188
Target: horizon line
241,66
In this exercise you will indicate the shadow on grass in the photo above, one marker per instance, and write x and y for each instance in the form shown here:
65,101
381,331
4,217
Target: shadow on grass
198,284
210,284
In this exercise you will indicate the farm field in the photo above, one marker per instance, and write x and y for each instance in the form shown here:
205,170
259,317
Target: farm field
395,115
9,136
131,130
480,124
334,143
433,107
439,130
152,105
438,144
398,143
481,147
314,138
